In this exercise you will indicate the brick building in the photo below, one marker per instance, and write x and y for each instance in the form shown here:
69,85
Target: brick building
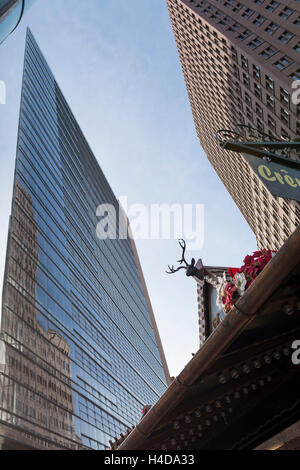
239,61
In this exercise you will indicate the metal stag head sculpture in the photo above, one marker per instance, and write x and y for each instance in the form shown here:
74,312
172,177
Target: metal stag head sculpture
191,269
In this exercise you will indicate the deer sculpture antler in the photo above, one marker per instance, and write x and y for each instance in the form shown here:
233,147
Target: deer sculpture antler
182,244
172,270
191,270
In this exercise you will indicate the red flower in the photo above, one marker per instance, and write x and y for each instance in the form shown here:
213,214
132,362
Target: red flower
253,265
232,294
232,272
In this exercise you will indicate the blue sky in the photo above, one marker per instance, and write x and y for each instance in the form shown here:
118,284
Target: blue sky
117,65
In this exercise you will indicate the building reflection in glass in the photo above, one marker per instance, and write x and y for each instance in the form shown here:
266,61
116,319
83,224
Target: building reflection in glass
36,392
79,352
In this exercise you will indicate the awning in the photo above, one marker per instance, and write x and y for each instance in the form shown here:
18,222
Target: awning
242,386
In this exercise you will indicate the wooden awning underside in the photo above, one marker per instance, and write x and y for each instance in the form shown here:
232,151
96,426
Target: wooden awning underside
241,387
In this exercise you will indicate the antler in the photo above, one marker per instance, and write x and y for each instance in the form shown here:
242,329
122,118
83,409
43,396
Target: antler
173,270
183,246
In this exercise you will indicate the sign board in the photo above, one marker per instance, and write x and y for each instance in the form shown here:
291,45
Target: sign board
281,180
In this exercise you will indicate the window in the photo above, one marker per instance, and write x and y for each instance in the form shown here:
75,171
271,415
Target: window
256,72
295,75
246,81
257,90
248,99
285,135
285,37
272,28
297,21
244,62
249,114
272,6
236,71
271,123
297,47
268,52
270,102
283,63
286,12
284,96
285,116
269,83
259,20
248,13
259,110
244,35
237,7
255,43
260,125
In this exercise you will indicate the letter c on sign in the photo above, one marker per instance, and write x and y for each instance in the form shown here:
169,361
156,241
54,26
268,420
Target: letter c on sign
265,172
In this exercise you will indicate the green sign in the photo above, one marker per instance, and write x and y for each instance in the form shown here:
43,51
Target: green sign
281,180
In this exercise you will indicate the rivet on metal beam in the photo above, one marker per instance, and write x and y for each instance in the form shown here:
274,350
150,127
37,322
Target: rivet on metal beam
227,399
245,390
246,368
187,419
288,309
218,403
256,363
198,414
222,379
176,425
267,359
276,355
234,373
237,395
208,409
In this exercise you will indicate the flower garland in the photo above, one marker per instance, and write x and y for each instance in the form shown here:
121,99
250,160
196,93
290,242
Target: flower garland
228,292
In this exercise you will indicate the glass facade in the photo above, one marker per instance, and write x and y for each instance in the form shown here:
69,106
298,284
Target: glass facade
11,12
79,356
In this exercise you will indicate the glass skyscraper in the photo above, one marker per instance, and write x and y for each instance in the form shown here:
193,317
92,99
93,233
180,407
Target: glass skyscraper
11,13
80,354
